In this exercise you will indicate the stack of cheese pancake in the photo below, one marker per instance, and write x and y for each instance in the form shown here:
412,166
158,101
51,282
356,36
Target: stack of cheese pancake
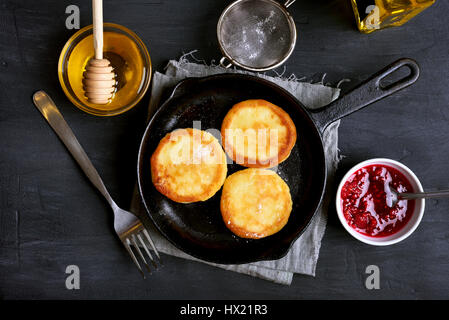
258,134
189,165
255,203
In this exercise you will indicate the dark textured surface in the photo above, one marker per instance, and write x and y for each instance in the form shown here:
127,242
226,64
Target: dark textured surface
51,217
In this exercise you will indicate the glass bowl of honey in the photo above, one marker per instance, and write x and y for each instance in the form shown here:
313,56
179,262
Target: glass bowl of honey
128,56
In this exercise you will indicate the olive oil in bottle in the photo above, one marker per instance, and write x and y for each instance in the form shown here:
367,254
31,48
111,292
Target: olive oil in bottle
373,15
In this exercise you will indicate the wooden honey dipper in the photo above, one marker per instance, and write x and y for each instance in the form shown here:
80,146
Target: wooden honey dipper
99,77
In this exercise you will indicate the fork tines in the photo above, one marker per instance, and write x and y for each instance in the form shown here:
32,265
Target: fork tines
140,238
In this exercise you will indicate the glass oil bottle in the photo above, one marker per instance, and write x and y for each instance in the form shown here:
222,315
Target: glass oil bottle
372,15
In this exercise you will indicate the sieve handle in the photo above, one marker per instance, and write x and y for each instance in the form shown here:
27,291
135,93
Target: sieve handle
288,3
223,63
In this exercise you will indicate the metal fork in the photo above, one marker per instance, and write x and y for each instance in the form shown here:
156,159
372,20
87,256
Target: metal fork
128,227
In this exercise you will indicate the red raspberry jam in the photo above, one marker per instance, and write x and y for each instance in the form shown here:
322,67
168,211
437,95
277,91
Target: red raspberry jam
366,201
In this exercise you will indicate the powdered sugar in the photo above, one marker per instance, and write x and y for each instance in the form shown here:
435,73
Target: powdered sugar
256,38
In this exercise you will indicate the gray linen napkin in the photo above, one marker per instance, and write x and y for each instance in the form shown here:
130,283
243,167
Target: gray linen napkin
303,256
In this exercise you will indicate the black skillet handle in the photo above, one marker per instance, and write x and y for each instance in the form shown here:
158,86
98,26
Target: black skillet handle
366,93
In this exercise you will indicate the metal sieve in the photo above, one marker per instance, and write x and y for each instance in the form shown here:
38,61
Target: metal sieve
256,35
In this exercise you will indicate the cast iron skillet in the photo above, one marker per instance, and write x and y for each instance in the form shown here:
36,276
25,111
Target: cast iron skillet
198,228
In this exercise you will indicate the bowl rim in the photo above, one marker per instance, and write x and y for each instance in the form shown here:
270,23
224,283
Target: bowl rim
419,204
81,106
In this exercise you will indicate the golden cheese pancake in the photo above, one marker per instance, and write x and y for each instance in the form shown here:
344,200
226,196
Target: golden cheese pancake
255,203
189,165
258,134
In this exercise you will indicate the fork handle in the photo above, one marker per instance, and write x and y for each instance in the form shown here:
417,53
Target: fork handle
51,113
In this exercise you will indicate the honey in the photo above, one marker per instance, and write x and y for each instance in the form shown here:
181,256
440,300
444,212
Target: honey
373,15
128,57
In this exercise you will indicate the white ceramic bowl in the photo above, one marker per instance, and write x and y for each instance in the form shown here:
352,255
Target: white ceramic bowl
406,230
